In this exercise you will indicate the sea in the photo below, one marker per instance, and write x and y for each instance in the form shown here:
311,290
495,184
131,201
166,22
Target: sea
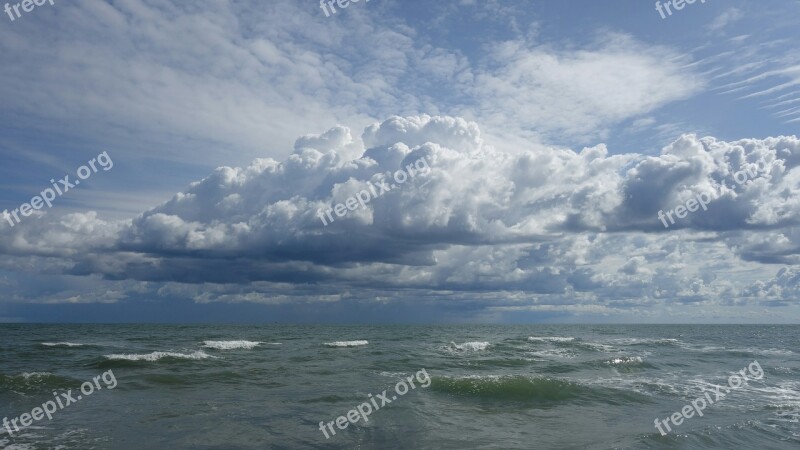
278,386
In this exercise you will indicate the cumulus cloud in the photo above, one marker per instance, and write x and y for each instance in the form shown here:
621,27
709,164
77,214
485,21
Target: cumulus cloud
545,225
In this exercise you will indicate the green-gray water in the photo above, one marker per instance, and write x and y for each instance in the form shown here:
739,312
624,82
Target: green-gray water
537,386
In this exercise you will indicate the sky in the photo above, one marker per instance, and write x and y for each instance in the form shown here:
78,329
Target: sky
574,161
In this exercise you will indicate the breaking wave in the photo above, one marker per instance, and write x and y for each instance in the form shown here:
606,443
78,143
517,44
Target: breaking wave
346,343
231,345
468,346
550,339
625,360
514,388
33,381
62,344
155,356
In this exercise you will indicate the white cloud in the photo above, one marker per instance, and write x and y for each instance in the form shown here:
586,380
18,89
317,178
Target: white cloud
550,93
727,17
540,224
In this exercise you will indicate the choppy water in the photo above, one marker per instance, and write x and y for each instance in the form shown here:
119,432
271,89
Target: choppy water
269,386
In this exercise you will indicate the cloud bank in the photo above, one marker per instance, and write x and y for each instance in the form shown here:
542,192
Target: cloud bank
540,229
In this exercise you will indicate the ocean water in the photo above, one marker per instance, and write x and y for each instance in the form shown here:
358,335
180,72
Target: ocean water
488,386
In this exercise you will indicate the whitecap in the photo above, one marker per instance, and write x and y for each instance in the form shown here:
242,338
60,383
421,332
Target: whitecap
648,341
392,374
27,375
469,346
550,339
554,353
346,343
625,360
704,348
7,445
762,351
230,345
155,356
600,347
62,344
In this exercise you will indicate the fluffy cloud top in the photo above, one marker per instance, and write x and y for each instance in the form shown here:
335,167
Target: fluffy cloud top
550,223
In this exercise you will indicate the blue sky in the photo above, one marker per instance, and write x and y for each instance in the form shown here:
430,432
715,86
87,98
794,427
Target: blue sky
556,131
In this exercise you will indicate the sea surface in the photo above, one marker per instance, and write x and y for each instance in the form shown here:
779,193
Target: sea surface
489,386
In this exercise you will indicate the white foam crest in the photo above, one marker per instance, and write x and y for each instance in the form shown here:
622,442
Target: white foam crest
763,351
625,360
703,349
753,350
7,445
785,394
600,347
27,375
550,339
476,377
554,353
641,385
231,345
392,374
155,356
792,416
635,341
346,343
62,344
474,346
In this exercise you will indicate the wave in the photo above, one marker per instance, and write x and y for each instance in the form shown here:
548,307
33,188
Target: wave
554,353
624,364
34,381
27,375
231,345
324,399
596,346
704,349
513,388
550,339
6,443
786,395
155,356
392,374
475,346
346,343
647,341
742,351
62,344
762,351
576,344
625,360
